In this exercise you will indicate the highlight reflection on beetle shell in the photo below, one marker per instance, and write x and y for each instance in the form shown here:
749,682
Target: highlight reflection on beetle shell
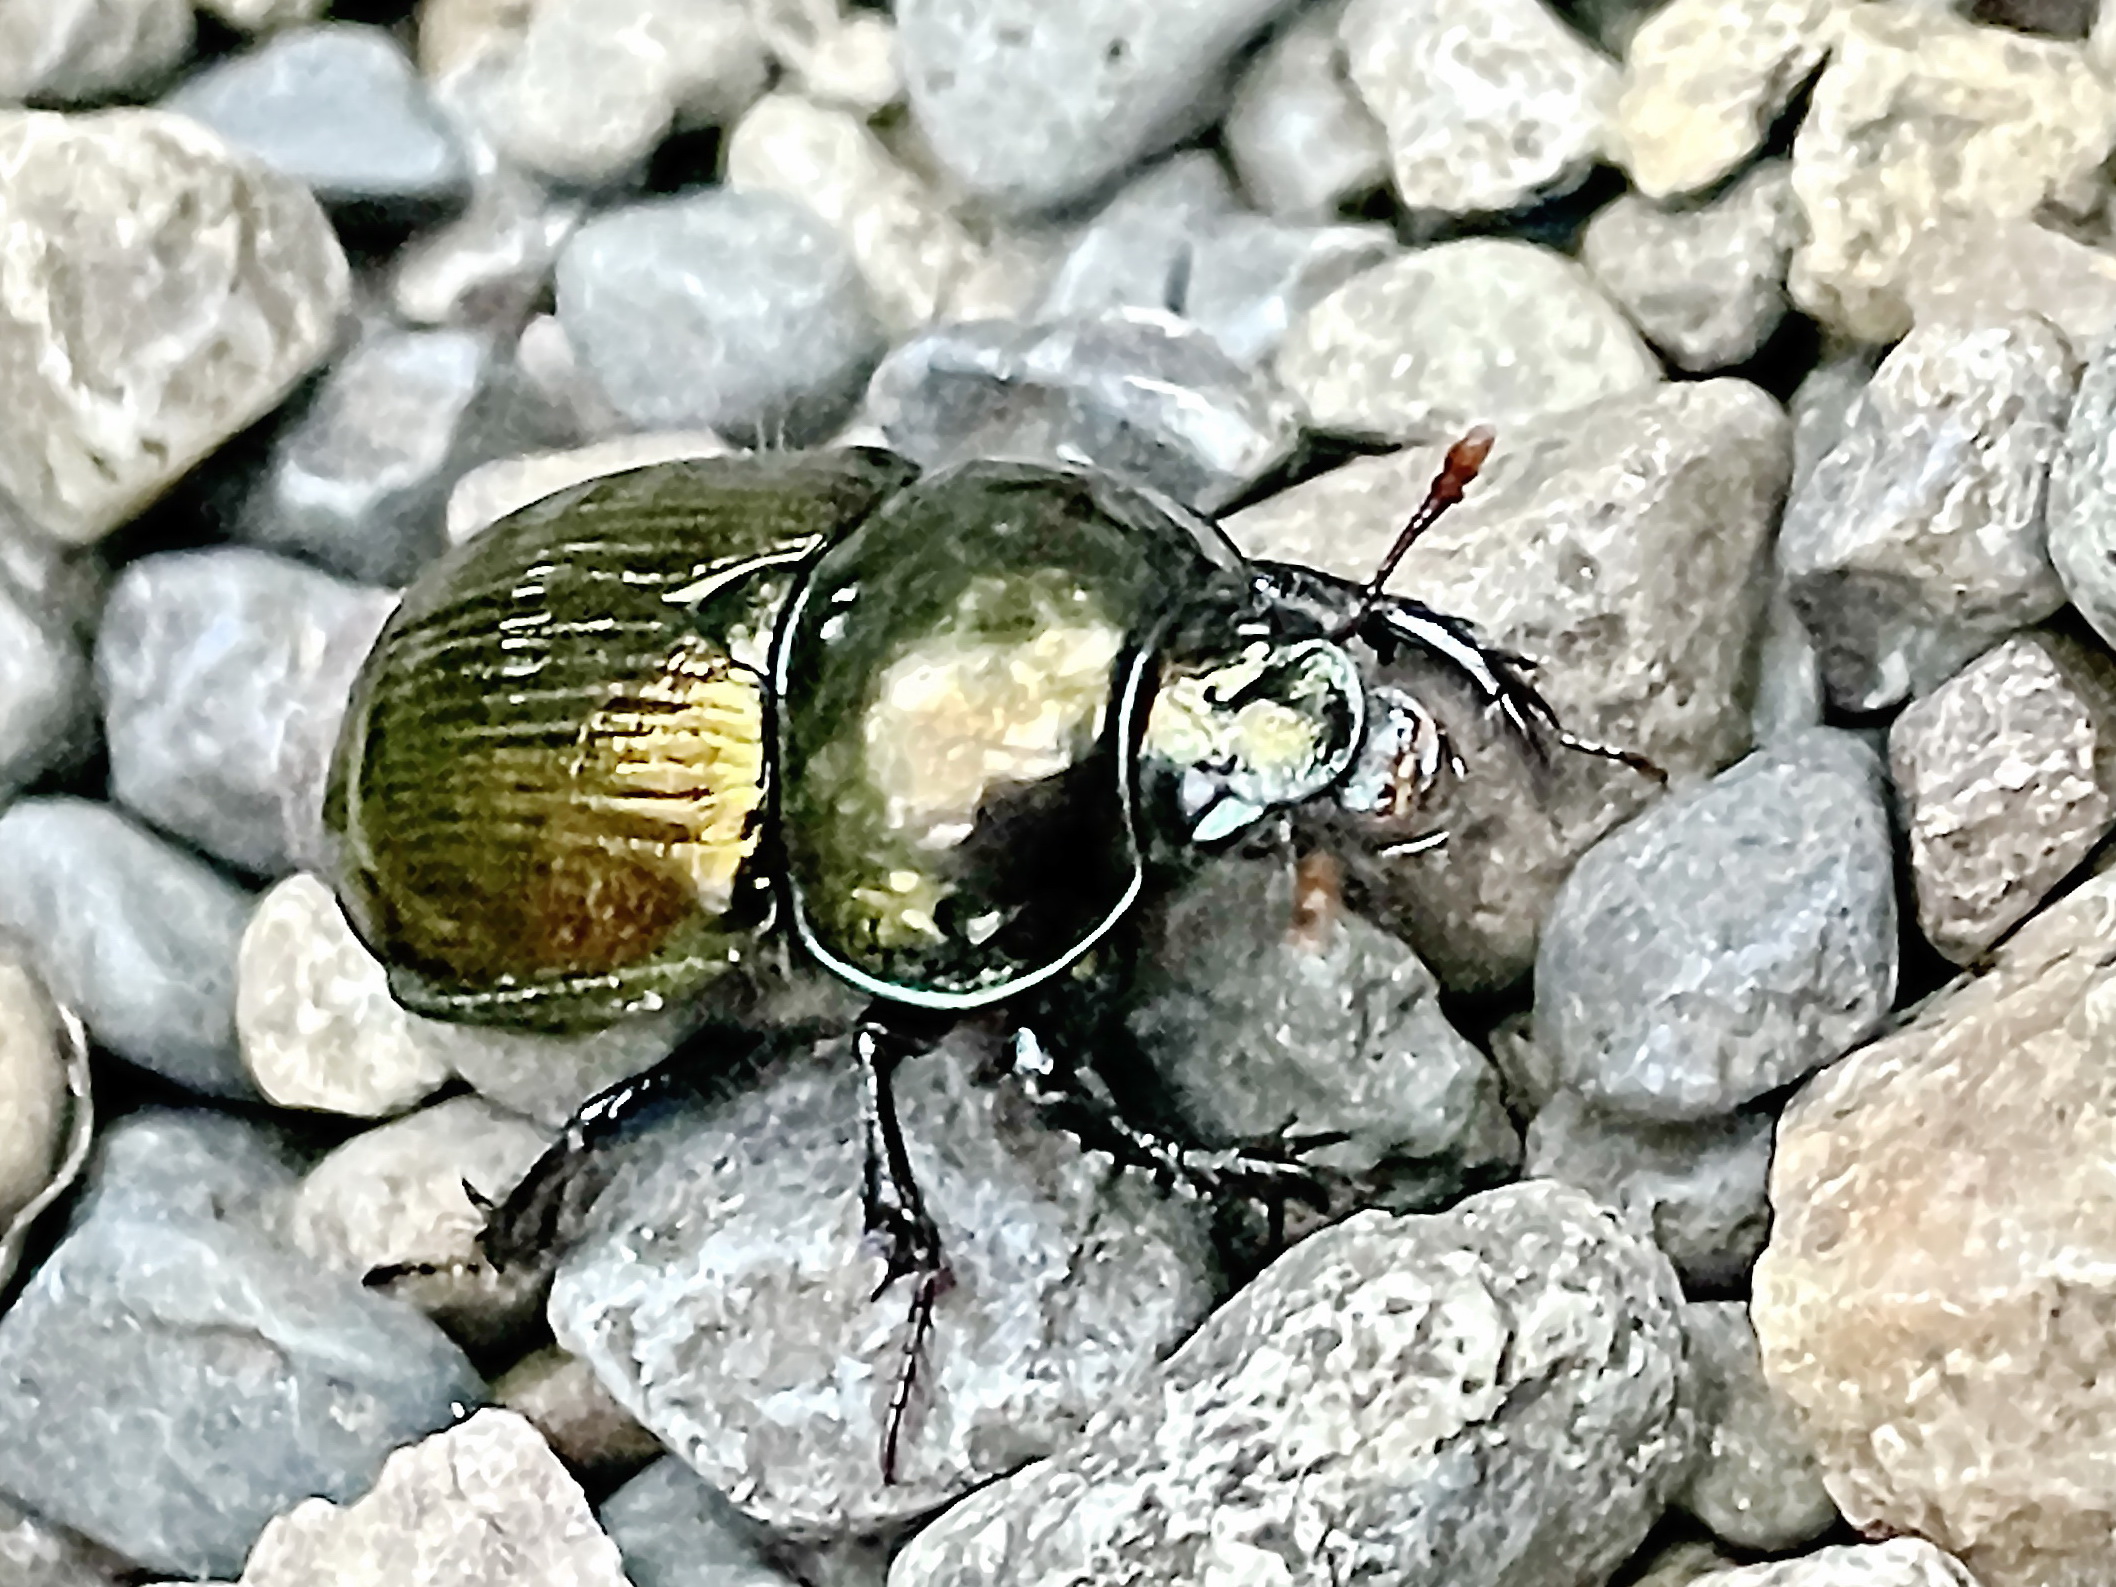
551,781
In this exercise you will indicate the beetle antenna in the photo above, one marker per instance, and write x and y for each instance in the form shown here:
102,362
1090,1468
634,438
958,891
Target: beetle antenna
1463,461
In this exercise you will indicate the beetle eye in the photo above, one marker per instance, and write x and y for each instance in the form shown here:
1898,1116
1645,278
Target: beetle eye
1266,728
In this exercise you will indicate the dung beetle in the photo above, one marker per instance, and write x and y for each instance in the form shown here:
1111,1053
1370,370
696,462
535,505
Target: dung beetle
936,728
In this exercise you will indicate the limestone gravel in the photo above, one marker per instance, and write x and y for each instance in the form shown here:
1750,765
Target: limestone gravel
1900,1562
1250,277
46,696
676,1531
1135,252
35,1101
34,1553
1756,1483
1303,143
2082,499
89,49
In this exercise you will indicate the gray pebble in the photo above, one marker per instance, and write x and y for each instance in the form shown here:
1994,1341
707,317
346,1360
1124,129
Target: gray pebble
1140,395
1899,1562
172,1378
1822,404
62,50
47,1107
559,1395
488,266
339,108
47,710
1727,942
133,934
1136,253
1625,547
1302,141
1789,696
1251,277
546,1078
1030,108
223,674
1675,1563
741,313
726,1298
1260,998
235,286
1487,108
2006,775
359,482
1705,285
1487,329
2082,502
34,1553
168,1165
1483,1397
1697,1189
1917,542
676,1531
1757,1483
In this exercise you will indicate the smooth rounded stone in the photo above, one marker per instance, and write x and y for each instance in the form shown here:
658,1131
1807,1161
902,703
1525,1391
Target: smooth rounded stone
234,286
173,1377
485,1504
1489,1395
47,1112
1012,274
47,697
166,1165
1260,998
1677,1563
1696,1189
223,674
1486,108
489,266
1140,395
339,108
1918,540
600,1441
1728,941
1991,267
1136,253
1625,548
1486,329
597,84
262,16
676,1531
741,313
133,934
34,1553
1900,1562
545,1078
1919,117
1789,698
1756,1483
65,50
492,490
2082,495
1303,143
725,1296
834,58
1030,107
1703,81
2006,779
1940,1268
909,246
397,1196
1251,277
1706,285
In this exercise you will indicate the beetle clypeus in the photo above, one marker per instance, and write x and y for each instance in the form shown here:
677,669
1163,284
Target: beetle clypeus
937,729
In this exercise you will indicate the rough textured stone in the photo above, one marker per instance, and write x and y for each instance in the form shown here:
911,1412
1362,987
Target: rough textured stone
1918,540
1696,1189
1133,393
136,936
395,1197
1728,941
1676,1564
492,490
1260,997
1136,252
676,1531
477,1506
600,1441
2006,775
490,265
223,674
172,1377
165,293
912,251
1621,547
340,109
170,1165
1029,107
1302,141
1756,1483
1823,403
835,58
1919,117
34,1553
89,49
747,1335
1251,277
46,695
1938,1277
1485,329
259,16
1706,285
1489,1395
1985,267
1487,107
596,84
1789,695
742,313
2082,495
1900,1562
